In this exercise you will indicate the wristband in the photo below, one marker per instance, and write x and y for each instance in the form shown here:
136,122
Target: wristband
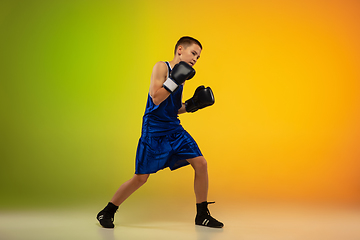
170,85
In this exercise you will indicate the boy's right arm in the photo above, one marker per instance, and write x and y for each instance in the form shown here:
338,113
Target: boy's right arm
158,77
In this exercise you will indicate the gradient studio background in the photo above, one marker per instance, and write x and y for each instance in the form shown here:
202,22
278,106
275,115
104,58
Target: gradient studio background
74,82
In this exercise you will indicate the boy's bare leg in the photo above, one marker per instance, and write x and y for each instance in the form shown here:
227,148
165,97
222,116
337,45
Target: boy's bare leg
128,188
106,216
201,186
201,179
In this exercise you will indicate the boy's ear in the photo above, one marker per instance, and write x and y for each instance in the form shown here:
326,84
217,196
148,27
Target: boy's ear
179,50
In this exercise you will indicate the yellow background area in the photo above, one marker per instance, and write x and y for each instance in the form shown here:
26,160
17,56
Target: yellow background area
285,75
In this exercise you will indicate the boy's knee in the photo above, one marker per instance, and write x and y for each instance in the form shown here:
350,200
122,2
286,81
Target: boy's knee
199,163
141,178
203,163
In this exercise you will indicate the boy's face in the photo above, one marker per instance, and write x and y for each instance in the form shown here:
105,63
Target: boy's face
189,54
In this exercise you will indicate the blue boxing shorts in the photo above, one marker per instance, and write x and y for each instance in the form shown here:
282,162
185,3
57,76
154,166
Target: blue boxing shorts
158,152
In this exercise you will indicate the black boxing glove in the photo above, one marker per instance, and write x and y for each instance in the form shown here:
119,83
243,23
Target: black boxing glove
178,75
203,97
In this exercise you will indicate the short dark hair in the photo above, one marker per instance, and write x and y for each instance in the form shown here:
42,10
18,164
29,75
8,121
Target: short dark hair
186,41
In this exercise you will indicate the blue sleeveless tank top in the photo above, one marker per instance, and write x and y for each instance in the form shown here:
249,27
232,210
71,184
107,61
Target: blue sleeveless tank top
162,119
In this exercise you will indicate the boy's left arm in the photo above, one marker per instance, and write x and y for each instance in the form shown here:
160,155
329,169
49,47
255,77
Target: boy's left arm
182,109
203,97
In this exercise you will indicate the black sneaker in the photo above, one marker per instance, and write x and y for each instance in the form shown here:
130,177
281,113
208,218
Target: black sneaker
208,221
106,219
203,217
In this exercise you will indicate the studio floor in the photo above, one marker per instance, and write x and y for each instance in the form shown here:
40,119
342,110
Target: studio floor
154,221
